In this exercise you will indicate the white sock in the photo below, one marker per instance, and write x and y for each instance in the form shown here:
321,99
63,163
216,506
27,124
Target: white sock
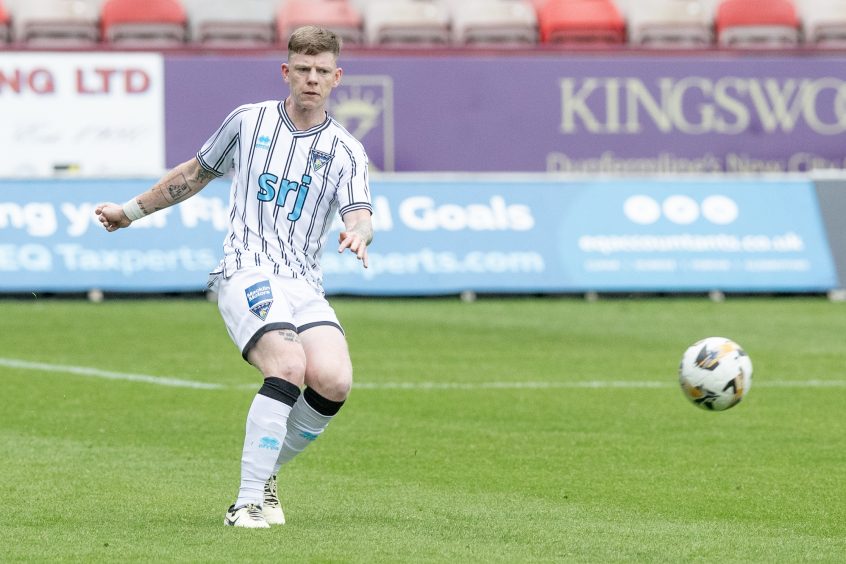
304,426
265,434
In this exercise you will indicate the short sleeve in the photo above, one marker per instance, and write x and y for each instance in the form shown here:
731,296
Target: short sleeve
216,153
353,184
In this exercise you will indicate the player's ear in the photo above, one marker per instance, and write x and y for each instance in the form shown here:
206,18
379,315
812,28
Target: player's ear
285,71
339,72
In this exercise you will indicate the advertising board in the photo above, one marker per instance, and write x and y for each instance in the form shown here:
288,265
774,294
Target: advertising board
435,235
626,114
92,114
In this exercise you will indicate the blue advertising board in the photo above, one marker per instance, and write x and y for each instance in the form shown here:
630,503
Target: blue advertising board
50,239
442,235
518,235
738,235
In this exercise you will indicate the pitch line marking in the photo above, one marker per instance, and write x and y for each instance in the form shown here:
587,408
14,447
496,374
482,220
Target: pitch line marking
506,385
412,386
586,384
96,372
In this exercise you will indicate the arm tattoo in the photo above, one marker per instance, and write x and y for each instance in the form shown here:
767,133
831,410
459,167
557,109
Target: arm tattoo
178,191
175,191
172,193
145,209
204,176
175,187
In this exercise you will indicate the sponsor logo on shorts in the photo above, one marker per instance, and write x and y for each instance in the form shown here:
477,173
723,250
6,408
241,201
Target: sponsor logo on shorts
259,299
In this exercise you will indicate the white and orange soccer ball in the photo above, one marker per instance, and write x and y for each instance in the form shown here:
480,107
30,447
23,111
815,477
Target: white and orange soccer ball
715,373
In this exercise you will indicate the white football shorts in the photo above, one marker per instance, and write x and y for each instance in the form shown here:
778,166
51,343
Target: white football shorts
253,302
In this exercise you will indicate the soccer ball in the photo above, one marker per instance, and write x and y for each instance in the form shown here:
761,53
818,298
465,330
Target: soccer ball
715,373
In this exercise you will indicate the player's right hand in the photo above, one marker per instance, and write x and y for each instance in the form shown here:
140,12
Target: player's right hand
111,216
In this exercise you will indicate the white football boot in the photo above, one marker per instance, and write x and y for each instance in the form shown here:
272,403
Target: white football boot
271,509
248,516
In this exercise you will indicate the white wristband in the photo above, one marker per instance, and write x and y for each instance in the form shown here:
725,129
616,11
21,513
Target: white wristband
132,210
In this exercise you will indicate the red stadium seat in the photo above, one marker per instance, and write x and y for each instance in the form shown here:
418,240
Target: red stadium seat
4,24
757,23
338,15
147,23
581,21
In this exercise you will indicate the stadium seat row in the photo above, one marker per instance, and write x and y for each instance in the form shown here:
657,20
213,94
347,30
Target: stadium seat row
386,23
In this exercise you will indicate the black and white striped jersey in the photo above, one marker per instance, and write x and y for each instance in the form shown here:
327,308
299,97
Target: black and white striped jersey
287,187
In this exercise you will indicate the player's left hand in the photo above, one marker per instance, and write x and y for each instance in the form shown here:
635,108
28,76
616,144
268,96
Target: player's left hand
355,242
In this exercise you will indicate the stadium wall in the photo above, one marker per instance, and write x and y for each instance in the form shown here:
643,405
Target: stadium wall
108,113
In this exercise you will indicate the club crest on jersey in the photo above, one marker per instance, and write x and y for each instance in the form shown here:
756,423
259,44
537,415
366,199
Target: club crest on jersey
259,299
319,159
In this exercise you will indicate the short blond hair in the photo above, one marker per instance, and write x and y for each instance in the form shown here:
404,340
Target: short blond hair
313,40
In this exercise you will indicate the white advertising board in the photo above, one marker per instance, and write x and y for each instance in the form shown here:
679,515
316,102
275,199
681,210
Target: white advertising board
95,114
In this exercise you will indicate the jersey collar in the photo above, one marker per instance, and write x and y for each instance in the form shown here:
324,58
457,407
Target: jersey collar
293,128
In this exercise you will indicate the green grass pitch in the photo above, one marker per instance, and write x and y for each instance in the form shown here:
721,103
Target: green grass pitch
504,430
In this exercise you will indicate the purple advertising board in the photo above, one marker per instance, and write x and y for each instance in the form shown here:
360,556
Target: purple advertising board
572,113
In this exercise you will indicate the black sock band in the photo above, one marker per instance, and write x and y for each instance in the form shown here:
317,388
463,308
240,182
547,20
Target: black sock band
320,404
280,390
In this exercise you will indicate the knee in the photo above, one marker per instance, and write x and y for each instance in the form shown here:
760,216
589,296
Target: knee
287,366
279,354
333,384
340,388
